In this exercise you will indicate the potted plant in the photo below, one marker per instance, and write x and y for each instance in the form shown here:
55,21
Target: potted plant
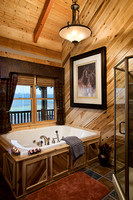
104,154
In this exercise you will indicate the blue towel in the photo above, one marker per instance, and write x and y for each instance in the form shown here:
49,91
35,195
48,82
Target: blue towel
76,146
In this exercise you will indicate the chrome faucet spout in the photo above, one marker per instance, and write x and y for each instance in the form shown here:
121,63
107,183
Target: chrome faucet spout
46,140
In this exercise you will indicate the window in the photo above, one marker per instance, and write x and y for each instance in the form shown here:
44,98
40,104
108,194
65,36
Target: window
45,103
34,100
20,111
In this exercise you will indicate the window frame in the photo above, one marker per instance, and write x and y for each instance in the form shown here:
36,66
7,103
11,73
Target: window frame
31,98
34,122
44,98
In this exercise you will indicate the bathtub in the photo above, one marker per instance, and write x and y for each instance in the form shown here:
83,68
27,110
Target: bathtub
26,140
27,173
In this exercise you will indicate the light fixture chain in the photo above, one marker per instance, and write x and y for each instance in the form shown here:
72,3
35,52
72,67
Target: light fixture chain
78,17
75,32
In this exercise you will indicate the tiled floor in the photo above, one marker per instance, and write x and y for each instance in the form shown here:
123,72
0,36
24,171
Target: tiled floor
96,171
103,175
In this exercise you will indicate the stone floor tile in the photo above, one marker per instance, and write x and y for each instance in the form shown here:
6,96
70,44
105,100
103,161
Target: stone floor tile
92,174
101,170
106,182
108,197
84,169
95,164
109,175
114,194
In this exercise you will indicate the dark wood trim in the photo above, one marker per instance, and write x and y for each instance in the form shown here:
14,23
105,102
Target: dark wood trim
103,105
10,65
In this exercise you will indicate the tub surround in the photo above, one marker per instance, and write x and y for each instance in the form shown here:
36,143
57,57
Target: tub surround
25,173
26,140
76,146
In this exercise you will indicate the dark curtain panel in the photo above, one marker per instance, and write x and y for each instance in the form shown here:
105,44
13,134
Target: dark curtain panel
59,96
7,90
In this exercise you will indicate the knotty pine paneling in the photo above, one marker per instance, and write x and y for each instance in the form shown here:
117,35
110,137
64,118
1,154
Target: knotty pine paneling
111,25
30,59
23,36
21,46
32,53
18,20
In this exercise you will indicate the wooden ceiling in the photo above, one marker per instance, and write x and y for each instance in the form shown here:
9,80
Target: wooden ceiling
18,20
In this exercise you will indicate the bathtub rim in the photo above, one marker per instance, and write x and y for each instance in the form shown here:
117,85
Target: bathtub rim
39,127
18,158
8,146
8,139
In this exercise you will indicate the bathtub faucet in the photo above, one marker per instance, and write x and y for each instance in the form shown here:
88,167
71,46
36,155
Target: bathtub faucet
46,140
57,137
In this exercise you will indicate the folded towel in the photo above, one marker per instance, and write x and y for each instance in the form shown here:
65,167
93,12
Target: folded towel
76,146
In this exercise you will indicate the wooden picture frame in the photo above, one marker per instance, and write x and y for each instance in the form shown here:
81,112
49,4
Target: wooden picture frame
88,80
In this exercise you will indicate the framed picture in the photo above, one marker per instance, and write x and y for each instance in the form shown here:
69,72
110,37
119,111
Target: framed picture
88,79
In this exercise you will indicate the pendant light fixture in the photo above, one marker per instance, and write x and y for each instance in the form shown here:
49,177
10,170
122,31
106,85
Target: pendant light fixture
75,32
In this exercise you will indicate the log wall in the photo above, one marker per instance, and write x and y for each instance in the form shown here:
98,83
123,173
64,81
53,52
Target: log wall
111,25
27,52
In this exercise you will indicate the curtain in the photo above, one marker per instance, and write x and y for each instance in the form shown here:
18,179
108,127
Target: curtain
7,90
59,102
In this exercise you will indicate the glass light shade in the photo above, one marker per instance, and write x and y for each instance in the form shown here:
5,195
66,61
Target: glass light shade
75,33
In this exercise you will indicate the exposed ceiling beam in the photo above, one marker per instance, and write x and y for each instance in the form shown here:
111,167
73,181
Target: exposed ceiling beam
42,19
29,48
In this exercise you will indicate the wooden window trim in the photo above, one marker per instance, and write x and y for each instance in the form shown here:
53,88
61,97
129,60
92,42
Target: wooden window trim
34,122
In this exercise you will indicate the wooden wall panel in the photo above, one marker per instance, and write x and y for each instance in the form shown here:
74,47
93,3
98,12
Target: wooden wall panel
21,46
29,59
18,20
111,25
23,51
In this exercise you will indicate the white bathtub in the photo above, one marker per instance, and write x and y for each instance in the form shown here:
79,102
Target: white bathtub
23,140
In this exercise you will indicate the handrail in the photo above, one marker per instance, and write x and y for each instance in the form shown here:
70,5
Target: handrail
18,117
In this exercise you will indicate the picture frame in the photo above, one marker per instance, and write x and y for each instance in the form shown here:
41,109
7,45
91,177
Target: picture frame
88,80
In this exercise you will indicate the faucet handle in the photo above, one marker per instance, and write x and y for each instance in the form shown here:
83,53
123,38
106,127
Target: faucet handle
57,135
48,140
53,141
